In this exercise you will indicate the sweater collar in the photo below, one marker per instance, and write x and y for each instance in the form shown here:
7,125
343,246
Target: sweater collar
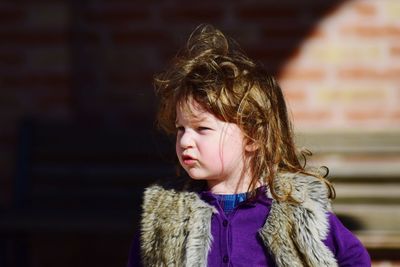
260,197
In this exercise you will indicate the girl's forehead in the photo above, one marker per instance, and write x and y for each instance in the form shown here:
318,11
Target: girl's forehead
193,111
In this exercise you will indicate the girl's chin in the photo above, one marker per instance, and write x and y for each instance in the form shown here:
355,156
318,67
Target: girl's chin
197,174
196,177
199,178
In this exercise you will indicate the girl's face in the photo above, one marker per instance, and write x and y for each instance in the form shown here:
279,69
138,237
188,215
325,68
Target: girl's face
208,148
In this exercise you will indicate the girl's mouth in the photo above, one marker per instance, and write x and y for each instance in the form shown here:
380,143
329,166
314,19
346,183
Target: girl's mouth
188,160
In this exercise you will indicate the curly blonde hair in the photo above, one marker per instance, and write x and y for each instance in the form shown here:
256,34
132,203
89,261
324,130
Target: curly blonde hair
213,71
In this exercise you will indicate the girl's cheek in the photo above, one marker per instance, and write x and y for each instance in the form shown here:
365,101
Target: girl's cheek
177,151
177,148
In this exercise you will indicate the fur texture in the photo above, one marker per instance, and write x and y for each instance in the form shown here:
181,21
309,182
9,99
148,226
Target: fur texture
176,228
294,232
176,225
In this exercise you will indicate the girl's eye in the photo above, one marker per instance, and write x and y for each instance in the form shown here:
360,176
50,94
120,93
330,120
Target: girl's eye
201,128
180,129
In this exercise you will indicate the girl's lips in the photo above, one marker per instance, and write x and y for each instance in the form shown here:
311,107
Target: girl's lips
188,160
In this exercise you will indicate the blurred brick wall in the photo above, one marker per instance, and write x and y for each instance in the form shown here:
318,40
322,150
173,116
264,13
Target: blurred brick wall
34,73
346,76
93,62
338,61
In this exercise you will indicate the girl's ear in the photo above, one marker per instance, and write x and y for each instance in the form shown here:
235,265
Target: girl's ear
251,146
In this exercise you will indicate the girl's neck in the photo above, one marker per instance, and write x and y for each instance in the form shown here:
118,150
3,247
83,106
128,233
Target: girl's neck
234,183
229,187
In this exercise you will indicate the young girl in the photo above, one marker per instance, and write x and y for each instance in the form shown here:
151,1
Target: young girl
248,201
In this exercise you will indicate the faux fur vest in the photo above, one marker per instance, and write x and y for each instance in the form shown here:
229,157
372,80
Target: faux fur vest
176,225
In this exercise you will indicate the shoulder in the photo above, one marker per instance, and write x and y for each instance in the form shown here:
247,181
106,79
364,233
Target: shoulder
175,223
300,223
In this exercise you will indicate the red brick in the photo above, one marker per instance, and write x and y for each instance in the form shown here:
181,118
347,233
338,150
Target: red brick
133,79
24,2
6,187
49,106
11,15
365,9
193,13
11,58
8,138
34,80
364,115
369,73
116,16
272,55
294,95
140,37
90,37
300,11
305,74
5,168
291,32
320,9
9,100
372,31
311,115
395,115
29,37
136,2
395,50
257,12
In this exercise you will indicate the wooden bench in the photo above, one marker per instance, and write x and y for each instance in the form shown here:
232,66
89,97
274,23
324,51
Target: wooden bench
365,169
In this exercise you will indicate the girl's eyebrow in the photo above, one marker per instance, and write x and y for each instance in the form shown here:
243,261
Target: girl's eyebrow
196,120
201,119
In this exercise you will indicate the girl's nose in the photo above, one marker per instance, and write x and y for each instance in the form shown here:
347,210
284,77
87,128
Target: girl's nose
185,140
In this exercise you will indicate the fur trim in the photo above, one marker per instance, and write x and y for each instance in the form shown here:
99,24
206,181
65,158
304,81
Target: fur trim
176,228
294,232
